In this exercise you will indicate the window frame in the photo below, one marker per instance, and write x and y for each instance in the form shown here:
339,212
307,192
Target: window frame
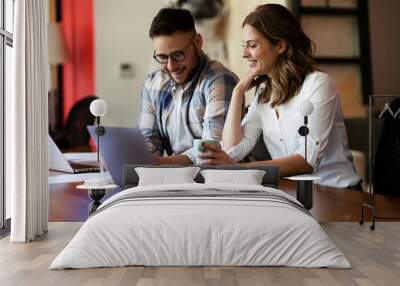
6,39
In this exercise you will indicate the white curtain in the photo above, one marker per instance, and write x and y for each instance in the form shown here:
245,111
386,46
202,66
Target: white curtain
27,123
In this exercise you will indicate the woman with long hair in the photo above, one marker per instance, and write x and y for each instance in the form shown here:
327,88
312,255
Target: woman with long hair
281,67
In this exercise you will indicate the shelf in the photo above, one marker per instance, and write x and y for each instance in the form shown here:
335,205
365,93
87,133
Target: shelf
337,60
315,11
363,60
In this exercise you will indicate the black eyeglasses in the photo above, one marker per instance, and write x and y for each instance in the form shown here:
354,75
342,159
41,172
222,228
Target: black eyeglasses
177,56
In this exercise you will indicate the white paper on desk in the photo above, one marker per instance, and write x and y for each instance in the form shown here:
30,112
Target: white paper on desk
82,156
68,178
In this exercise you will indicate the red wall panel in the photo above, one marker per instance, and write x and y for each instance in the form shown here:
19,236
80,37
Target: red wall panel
78,72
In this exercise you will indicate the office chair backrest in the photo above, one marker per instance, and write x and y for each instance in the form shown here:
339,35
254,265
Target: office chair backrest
78,118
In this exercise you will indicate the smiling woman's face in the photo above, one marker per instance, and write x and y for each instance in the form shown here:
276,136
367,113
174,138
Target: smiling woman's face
259,51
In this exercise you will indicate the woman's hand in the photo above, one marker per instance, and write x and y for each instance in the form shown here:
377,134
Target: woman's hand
214,156
248,81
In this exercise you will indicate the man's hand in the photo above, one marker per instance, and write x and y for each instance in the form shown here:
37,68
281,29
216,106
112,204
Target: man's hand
215,156
172,160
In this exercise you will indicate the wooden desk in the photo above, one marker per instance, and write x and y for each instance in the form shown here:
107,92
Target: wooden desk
330,204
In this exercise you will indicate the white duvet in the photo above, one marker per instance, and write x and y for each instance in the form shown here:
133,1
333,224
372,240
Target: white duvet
183,231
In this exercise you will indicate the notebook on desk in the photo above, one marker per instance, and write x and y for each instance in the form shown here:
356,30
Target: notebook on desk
58,162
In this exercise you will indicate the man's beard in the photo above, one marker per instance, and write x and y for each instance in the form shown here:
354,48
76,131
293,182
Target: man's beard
192,72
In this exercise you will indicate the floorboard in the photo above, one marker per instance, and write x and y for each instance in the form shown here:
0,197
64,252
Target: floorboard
374,255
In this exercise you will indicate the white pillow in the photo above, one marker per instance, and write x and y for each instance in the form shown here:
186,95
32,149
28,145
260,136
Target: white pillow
164,176
248,177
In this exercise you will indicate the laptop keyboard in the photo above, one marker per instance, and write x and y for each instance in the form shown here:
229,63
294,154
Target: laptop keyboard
84,167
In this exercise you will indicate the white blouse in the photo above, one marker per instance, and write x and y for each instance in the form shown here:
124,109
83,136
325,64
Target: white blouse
327,148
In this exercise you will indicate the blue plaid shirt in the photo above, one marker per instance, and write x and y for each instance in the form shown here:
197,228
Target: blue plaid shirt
203,118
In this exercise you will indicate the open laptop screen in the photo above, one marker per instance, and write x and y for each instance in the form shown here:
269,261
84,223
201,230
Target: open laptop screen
121,146
58,162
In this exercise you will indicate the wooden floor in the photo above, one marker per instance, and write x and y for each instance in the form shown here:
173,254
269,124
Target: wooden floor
374,255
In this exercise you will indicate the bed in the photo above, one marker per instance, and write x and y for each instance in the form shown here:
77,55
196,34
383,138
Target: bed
201,224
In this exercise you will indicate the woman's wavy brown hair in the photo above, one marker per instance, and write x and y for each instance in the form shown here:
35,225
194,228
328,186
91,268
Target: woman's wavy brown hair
276,23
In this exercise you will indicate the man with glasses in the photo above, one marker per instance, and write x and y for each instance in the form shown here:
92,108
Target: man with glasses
188,96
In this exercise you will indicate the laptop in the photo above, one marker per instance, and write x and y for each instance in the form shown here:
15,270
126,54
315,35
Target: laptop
57,161
121,146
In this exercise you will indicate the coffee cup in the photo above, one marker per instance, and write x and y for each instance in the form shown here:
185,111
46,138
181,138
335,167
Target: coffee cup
198,145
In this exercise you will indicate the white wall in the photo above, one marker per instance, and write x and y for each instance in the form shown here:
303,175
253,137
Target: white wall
121,36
